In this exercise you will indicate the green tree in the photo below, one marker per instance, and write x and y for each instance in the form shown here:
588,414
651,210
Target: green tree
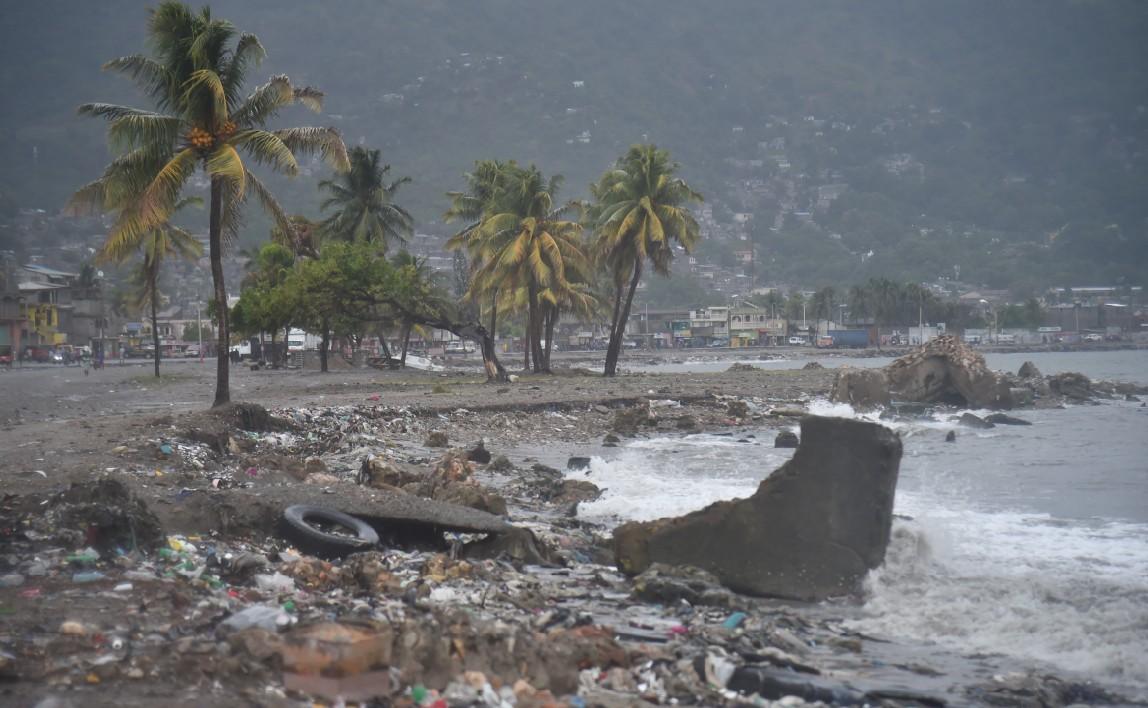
201,120
470,206
363,203
638,214
155,244
421,277
193,333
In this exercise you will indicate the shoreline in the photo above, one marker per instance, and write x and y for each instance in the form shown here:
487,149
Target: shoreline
639,632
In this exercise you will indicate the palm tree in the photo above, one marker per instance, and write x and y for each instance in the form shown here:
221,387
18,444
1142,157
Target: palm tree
470,206
639,212
201,121
156,244
524,242
364,203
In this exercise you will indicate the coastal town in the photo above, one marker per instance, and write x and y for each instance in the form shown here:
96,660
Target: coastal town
608,354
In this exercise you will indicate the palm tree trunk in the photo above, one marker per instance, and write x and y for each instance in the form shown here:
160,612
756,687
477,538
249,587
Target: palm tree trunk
324,345
152,295
494,315
614,323
535,339
215,252
551,321
406,340
615,350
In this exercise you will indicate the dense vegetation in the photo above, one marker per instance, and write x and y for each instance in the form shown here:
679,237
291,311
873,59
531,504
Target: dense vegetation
1006,139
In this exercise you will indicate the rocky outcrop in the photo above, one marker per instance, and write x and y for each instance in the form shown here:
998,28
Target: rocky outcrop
812,530
947,371
1076,387
1028,370
861,388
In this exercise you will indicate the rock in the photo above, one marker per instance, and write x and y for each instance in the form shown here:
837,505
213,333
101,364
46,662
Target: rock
812,365
1077,387
786,438
669,585
576,490
740,366
737,409
436,438
471,495
951,436
452,481
1131,398
812,530
864,389
611,439
247,416
479,453
500,464
518,544
1025,396
947,371
1002,419
384,474
628,421
974,421
775,683
322,478
1028,370
578,463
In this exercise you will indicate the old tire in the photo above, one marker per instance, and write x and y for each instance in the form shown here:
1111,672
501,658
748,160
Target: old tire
298,527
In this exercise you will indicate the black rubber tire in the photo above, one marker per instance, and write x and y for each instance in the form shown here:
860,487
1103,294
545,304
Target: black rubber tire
320,543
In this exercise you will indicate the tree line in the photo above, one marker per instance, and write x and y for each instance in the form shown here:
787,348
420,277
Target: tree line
527,252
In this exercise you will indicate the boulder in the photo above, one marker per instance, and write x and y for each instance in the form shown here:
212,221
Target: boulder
479,453
786,438
812,365
951,436
947,371
1077,387
578,463
972,420
861,388
812,530
739,366
575,490
1002,419
1028,370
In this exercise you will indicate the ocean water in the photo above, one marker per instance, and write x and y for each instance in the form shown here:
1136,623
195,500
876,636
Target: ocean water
1027,542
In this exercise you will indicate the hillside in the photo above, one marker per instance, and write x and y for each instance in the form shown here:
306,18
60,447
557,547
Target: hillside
1008,140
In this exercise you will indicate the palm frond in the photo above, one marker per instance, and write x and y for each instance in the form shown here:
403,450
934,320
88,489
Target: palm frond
226,163
271,206
325,141
264,102
310,97
209,81
151,76
143,130
267,148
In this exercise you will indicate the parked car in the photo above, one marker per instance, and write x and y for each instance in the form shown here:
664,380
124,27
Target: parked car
719,343
797,341
6,358
191,352
1093,337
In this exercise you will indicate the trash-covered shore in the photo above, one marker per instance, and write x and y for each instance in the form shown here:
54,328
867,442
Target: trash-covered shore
169,574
